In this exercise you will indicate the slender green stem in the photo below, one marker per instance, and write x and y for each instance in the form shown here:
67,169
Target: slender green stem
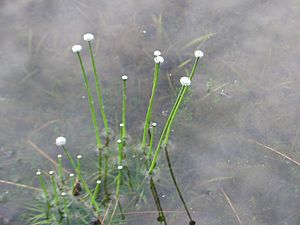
149,155
65,207
99,94
150,106
124,112
54,186
78,163
176,185
91,103
43,185
179,102
120,167
60,170
97,189
86,187
166,131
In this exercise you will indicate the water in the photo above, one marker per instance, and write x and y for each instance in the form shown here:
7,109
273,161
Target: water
221,138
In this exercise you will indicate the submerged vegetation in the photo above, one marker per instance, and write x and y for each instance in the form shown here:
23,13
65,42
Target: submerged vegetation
124,169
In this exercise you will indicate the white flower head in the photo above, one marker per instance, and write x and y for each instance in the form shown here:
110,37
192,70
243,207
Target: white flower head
121,124
71,175
198,54
98,181
159,59
76,48
124,77
157,53
119,141
185,81
60,141
120,167
38,173
63,194
88,37
59,156
154,124
51,172
79,156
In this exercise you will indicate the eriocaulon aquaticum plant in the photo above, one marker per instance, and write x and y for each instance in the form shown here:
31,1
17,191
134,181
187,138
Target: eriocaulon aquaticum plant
74,199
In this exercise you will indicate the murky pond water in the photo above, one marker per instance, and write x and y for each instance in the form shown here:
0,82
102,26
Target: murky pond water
235,145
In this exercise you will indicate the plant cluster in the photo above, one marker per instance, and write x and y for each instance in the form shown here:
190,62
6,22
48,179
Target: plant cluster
74,198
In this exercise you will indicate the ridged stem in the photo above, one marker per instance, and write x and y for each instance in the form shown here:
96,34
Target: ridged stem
99,93
150,106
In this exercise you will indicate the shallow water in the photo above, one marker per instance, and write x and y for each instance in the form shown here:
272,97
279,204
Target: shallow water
226,141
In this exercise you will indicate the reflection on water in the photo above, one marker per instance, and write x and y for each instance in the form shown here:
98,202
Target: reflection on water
224,135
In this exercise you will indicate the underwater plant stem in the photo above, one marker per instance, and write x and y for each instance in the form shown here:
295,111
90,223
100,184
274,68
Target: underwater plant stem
166,131
86,187
123,132
66,210
99,94
176,184
161,217
150,106
91,103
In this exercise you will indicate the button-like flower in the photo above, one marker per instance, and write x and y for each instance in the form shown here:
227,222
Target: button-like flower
185,81
198,54
157,53
60,141
88,37
158,59
76,48
124,77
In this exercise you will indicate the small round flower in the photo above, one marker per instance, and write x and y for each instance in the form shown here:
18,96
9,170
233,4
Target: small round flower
38,173
185,81
79,156
158,59
121,124
157,53
51,172
124,77
119,141
63,194
88,37
76,48
198,54
120,167
98,181
71,175
60,141
154,124
59,156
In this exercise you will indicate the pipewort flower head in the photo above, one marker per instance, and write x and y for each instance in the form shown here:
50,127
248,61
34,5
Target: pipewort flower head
76,48
88,37
120,167
159,59
38,173
198,54
185,81
60,141
157,53
154,124
51,172
124,77
79,156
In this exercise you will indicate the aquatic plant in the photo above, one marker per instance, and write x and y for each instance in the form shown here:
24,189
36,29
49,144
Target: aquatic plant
76,199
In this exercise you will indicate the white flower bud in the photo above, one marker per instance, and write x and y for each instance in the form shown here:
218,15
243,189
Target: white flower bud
38,173
154,124
79,156
157,53
60,141
76,48
158,59
51,172
198,54
120,167
88,37
124,77
185,81
98,181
